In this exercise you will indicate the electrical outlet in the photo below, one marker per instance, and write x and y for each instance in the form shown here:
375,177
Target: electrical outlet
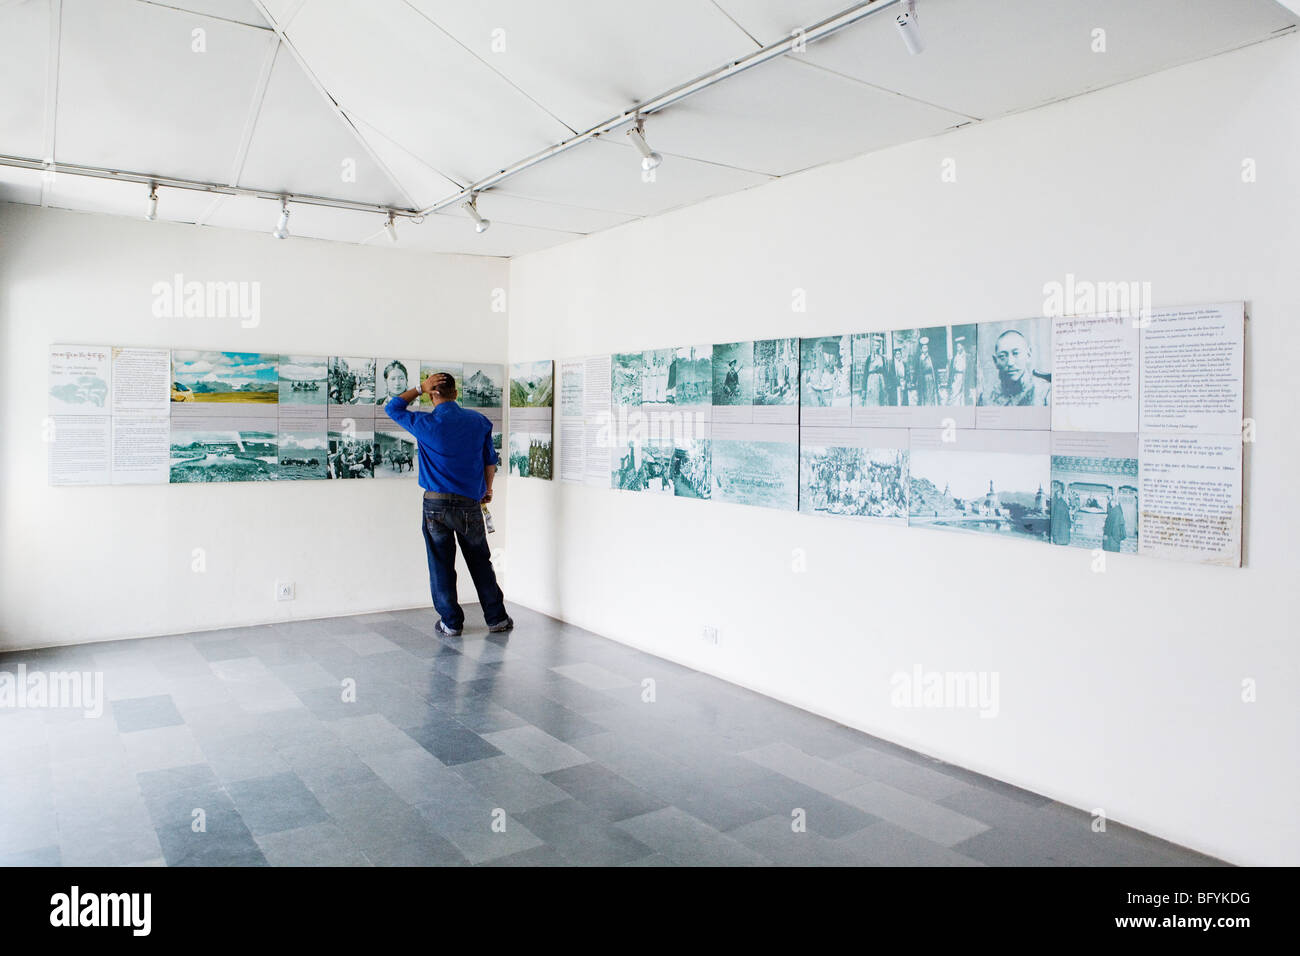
710,634
284,590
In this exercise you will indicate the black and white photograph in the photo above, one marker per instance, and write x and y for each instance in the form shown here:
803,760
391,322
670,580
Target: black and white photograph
759,473
481,385
776,372
200,455
393,377
303,380
853,482
351,453
656,374
690,377
733,374
351,381
825,371
395,452
1015,374
626,374
303,453
985,482
530,454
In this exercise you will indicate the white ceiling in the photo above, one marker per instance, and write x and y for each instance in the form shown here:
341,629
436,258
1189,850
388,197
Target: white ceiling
400,103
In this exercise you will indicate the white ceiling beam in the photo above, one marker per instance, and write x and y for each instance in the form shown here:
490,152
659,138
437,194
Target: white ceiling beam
52,91
255,111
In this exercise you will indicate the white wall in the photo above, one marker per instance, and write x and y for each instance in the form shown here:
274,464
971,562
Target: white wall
1119,691
79,564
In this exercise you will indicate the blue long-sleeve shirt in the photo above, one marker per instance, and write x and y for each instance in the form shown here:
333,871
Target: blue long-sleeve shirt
455,446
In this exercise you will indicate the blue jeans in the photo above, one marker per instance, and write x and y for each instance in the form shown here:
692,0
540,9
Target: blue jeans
444,521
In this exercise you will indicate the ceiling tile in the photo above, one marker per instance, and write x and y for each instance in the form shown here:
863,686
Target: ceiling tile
282,12
389,65
424,184
607,175
785,116
134,95
989,59
24,60
598,59
239,11
300,144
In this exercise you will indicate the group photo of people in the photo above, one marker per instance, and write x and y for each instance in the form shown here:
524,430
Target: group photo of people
853,481
915,367
350,457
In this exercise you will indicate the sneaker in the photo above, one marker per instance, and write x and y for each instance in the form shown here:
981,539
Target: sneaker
505,625
442,628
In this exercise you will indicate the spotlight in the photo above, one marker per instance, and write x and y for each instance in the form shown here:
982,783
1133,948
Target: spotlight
152,214
480,224
907,28
649,158
282,227
390,228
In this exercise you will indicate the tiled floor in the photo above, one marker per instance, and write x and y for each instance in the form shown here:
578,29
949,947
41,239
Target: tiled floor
533,748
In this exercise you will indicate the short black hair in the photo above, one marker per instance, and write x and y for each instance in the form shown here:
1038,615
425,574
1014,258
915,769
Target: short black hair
448,388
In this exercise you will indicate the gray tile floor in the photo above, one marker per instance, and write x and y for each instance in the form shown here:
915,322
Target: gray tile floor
534,748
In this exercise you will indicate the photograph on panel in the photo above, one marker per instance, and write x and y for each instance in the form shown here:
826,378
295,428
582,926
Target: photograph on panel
303,448
531,384
530,454
761,473
987,482
1095,501
395,450
690,376
656,366
351,450
1015,374
482,385
433,367
625,378
393,376
223,377
224,448
776,372
826,365
733,373
351,381
853,481
303,380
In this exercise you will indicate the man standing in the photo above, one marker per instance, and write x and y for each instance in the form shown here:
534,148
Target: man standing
457,466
